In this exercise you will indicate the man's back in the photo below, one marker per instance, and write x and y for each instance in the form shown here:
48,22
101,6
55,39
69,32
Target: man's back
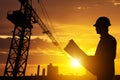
105,55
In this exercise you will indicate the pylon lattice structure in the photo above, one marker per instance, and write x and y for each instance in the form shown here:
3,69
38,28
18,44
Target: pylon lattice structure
19,48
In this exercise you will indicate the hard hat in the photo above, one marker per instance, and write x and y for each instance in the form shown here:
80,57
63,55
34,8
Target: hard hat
102,21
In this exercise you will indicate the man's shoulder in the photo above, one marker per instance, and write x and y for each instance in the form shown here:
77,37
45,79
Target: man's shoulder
111,38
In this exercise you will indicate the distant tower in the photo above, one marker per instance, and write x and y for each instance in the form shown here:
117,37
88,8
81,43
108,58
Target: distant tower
52,70
38,70
43,72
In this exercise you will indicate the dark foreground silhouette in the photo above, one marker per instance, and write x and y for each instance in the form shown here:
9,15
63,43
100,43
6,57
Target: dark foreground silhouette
102,64
117,77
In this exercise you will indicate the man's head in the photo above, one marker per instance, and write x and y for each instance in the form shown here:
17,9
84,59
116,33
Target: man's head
102,24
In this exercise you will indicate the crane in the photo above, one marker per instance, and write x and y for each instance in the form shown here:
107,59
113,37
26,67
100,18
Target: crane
19,48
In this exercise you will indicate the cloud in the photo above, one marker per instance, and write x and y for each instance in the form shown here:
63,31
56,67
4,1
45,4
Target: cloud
98,3
41,52
5,6
4,44
117,4
72,11
37,46
63,11
3,58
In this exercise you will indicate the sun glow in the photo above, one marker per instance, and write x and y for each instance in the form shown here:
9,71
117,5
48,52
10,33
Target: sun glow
75,63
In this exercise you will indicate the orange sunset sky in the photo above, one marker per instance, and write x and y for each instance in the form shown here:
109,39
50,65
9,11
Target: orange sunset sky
68,19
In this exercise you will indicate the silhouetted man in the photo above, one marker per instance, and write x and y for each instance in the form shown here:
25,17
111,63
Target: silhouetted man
102,64
105,52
